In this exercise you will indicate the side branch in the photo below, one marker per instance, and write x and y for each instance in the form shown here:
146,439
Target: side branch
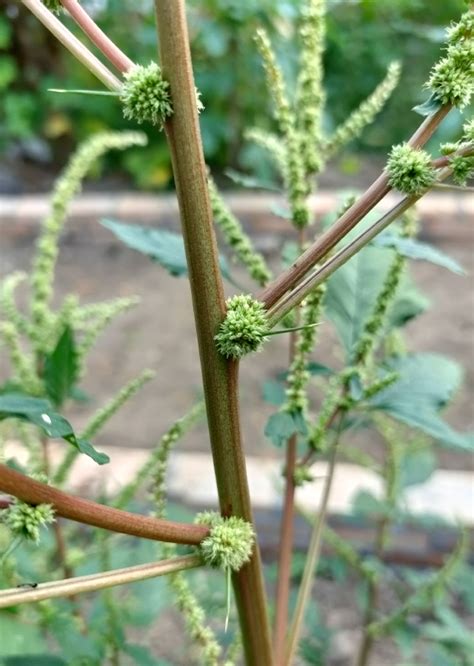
98,515
73,45
93,582
376,192
111,51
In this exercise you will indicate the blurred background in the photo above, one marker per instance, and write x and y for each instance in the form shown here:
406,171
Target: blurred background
38,132
38,129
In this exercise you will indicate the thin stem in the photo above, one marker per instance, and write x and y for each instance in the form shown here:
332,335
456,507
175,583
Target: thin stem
220,377
73,45
91,583
375,193
287,521
312,558
91,513
391,477
111,51
285,553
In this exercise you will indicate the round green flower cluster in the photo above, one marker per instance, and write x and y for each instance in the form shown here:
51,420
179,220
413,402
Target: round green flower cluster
25,520
463,168
468,130
230,542
145,95
452,78
54,6
244,327
410,169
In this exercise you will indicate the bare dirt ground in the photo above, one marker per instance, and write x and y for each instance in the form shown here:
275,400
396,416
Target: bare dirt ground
159,334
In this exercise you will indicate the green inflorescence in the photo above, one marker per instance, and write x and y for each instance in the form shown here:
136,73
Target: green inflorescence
194,617
410,169
311,91
23,363
25,520
145,95
55,6
67,186
298,376
237,238
244,327
294,174
468,130
463,168
100,418
351,128
452,78
230,542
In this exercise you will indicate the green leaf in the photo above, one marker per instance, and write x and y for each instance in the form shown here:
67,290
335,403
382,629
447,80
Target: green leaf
164,247
39,412
282,425
416,467
141,655
426,383
274,392
315,368
353,289
367,505
61,368
16,635
17,403
415,249
431,105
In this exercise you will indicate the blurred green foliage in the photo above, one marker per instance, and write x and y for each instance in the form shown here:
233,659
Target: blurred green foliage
363,37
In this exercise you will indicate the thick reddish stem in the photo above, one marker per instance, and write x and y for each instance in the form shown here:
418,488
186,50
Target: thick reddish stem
90,513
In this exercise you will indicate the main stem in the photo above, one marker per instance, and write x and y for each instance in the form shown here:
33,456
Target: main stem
220,377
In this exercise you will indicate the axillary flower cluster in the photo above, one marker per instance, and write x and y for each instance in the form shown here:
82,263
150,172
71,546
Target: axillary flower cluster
24,521
452,78
244,327
230,542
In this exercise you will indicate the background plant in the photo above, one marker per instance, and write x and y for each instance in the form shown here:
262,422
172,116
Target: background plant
364,36
375,378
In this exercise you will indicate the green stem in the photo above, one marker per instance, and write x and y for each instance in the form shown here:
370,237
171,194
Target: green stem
220,377
312,559
391,477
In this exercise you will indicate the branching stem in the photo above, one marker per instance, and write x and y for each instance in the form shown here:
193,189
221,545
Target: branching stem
73,45
366,202
111,51
91,513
